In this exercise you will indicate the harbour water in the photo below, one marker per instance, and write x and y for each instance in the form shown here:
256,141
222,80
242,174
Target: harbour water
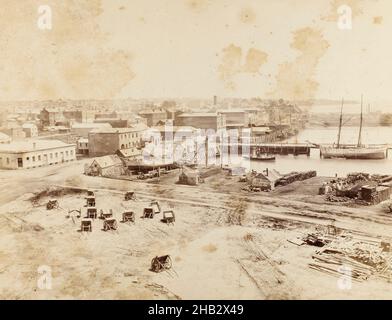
330,167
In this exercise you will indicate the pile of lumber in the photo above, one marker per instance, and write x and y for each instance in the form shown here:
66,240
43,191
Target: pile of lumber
295,176
332,264
362,259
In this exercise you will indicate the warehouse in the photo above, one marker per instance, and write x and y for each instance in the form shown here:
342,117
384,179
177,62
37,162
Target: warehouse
35,153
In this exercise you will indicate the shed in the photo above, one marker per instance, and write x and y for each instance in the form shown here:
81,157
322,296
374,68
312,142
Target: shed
189,177
105,166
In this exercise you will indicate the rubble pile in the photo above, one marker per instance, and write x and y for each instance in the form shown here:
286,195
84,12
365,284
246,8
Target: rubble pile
53,191
364,188
333,198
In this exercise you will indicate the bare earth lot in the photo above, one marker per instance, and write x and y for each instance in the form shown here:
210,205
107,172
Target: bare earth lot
225,244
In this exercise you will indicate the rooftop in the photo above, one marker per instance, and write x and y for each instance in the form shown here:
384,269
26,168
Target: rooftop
108,161
31,145
135,128
90,125
129,152
232,111
174,128
198,114
28,125
152,111
4,136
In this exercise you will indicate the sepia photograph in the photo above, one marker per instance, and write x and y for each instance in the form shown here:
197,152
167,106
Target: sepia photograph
215,150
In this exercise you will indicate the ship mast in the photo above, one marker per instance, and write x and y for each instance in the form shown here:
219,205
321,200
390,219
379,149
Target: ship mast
340,123
360,126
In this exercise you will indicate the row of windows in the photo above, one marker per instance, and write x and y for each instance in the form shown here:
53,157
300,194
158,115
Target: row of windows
128,145
129,135
51,155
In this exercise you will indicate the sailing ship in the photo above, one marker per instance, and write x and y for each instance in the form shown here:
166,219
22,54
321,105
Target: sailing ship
359,151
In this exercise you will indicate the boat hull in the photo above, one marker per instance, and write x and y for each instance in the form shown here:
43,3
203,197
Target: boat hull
353,153
272,158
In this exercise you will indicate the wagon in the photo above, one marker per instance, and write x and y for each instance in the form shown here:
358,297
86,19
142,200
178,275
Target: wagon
162,263
103,215
92,212
168,216
156,207
52,204
86,225
128,216
129,196
77,211
90,193
90,201
35,202
148,213
109,224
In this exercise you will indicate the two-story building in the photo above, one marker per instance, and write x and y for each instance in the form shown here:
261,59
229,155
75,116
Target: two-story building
202,120
105,141
236,117
30,130
49,117
154,117
84,128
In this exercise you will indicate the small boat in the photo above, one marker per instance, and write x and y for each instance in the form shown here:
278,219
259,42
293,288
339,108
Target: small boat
261,157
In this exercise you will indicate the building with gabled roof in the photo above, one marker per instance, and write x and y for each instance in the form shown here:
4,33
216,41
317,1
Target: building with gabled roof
109,165
4,138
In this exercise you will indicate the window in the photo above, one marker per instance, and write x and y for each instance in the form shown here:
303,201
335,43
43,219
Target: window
66,153
33,158
8,160
71,152
27,158
56,155
51,156
39,158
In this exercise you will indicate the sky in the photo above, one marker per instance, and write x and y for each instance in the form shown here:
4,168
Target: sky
107,49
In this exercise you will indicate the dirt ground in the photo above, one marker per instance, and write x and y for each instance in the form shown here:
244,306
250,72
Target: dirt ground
224,244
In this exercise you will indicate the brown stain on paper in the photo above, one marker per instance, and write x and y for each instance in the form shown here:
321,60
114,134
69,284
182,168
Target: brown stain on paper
231,64
198,5
72,60
295,79
247,16
377,20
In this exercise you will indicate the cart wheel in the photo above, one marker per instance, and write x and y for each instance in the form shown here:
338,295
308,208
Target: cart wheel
168,263
154,265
